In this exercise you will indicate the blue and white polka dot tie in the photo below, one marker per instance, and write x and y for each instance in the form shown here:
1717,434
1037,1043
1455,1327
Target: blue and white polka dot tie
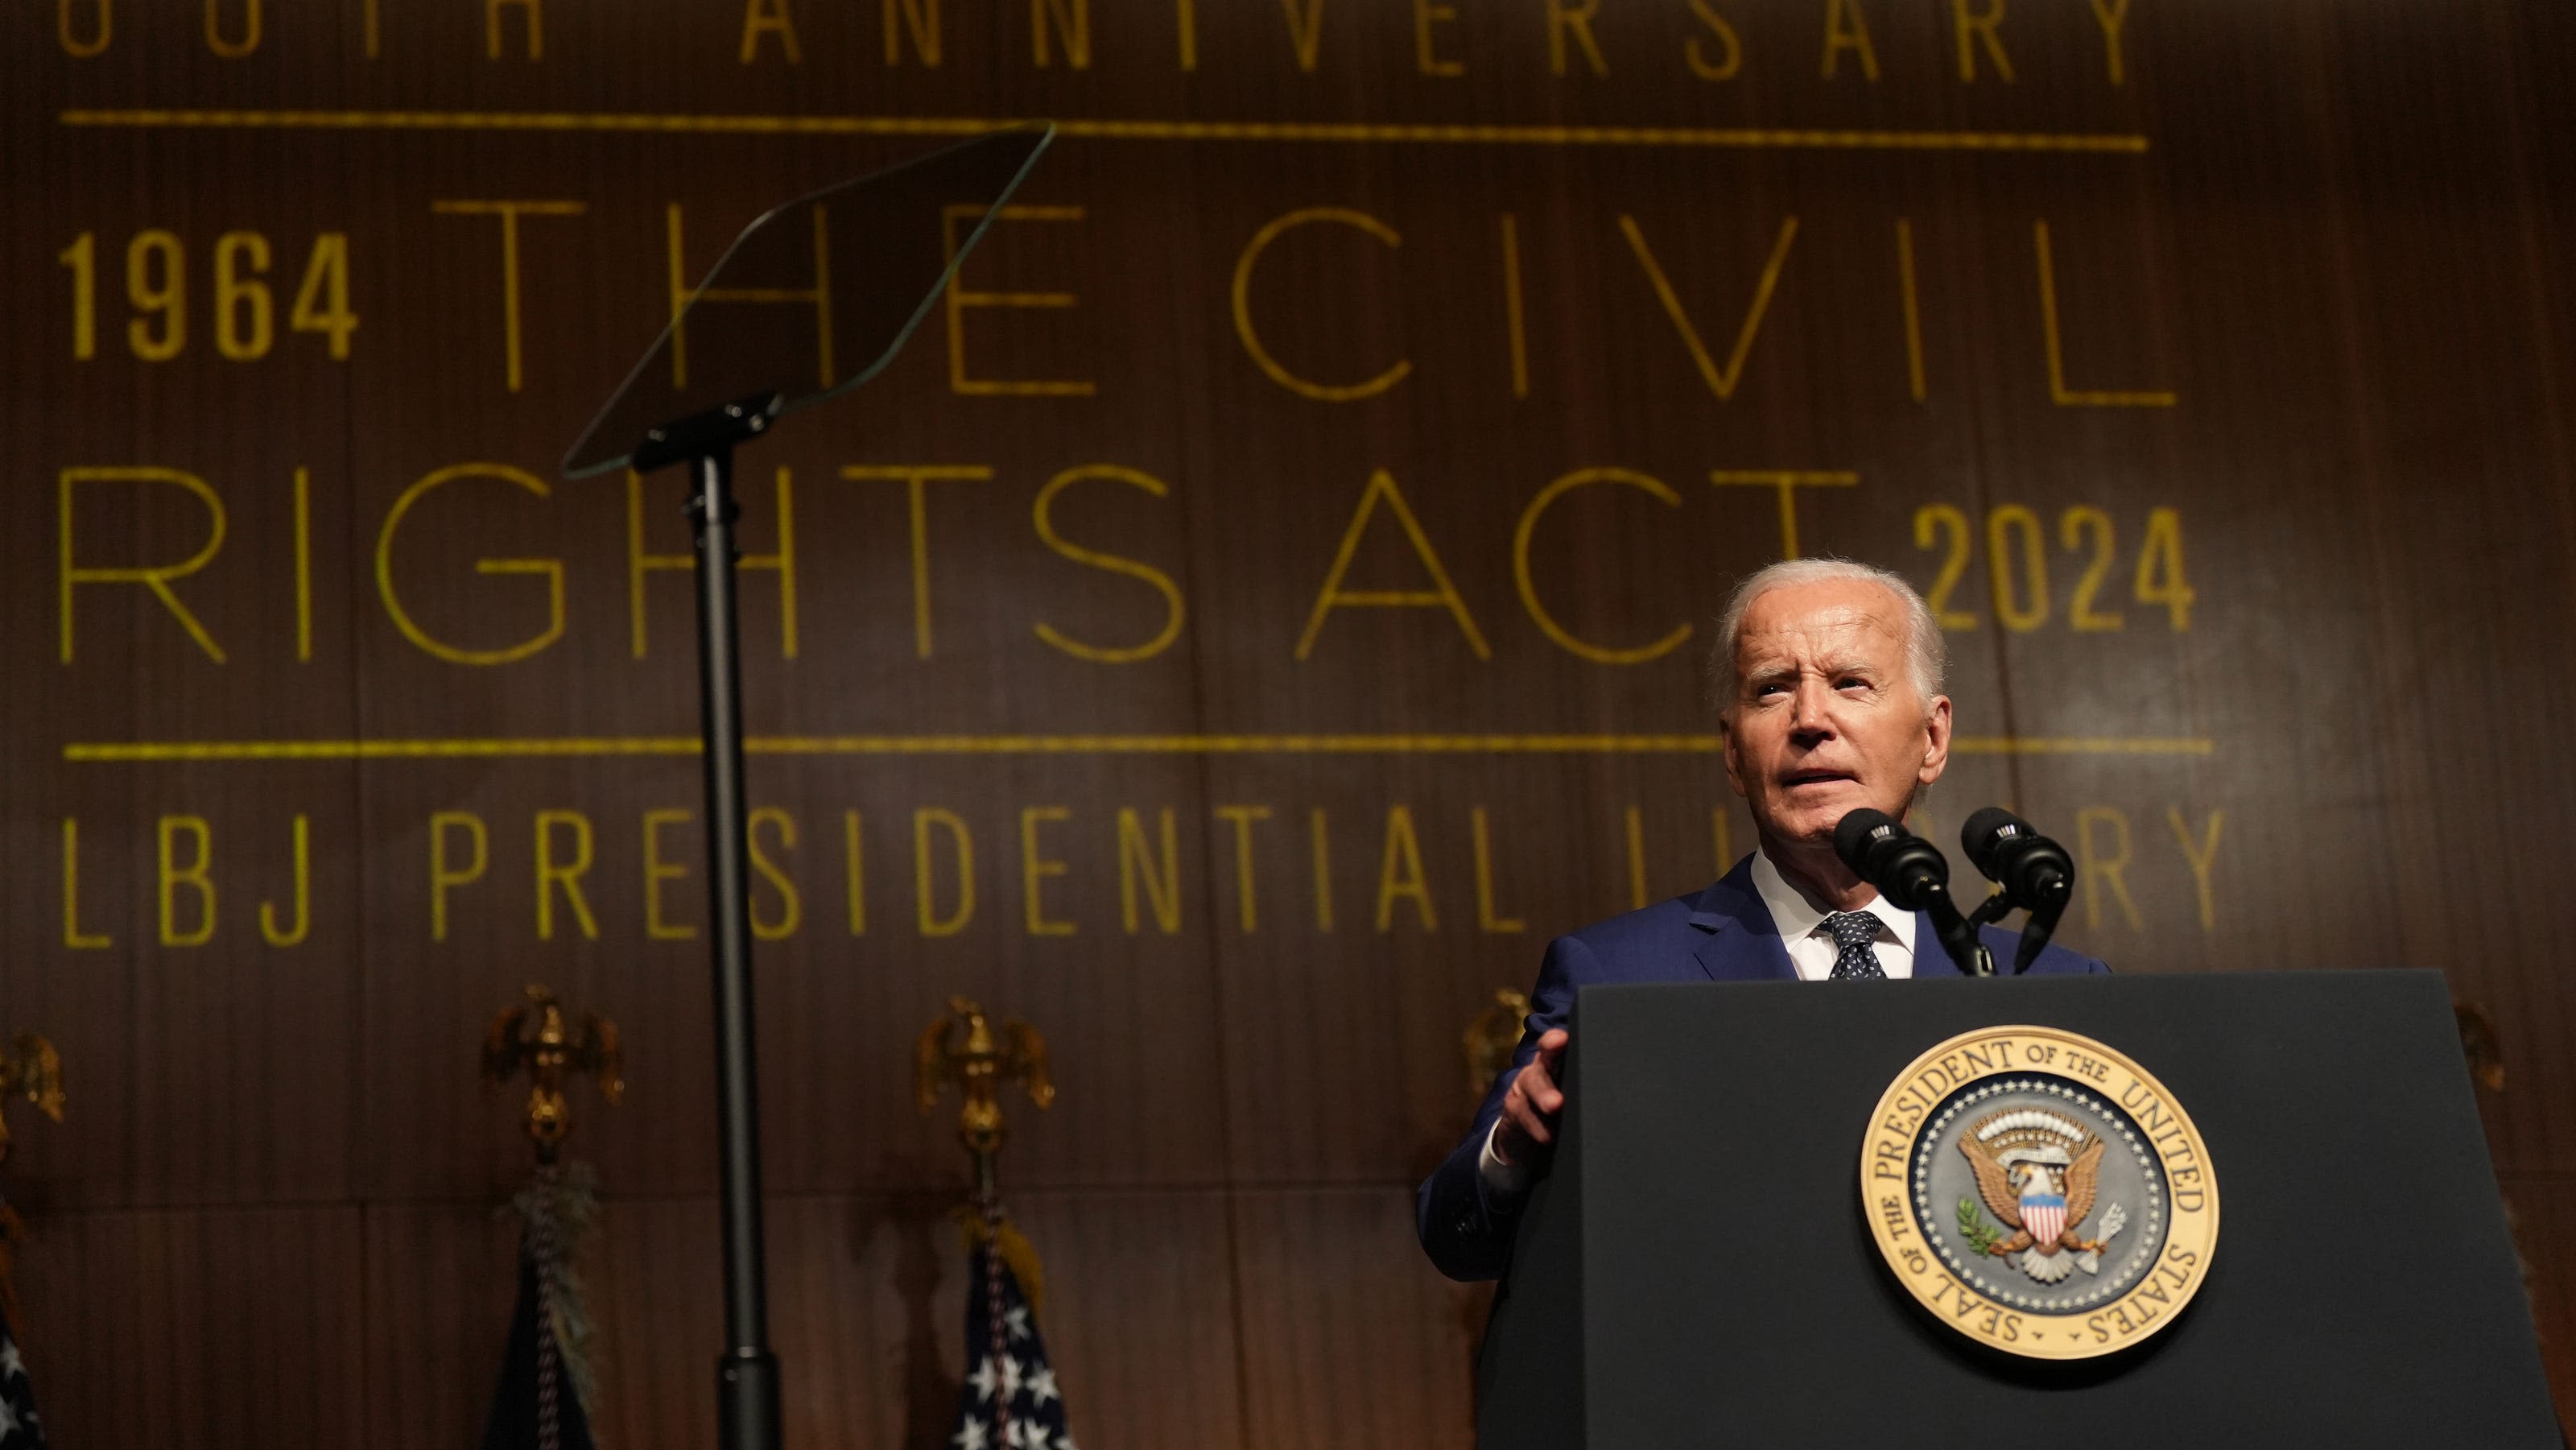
1853,933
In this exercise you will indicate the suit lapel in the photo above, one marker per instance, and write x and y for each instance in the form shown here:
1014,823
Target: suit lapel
1740,943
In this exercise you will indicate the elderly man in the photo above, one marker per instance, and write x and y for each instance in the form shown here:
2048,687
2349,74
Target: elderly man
1828,684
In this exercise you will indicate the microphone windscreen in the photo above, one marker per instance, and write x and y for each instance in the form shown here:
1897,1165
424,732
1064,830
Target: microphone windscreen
1983,832
1851,837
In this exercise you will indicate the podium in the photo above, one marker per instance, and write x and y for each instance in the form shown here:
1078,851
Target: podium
1697,1268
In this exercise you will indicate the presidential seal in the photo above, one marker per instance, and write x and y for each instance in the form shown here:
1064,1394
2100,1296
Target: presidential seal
2039,1193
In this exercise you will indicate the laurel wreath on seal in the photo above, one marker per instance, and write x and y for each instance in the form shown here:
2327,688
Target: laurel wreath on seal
1980,1234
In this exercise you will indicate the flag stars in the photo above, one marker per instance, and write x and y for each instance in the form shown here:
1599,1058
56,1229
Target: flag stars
1011,1401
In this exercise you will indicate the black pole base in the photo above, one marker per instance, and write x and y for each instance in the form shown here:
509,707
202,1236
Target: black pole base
747,1400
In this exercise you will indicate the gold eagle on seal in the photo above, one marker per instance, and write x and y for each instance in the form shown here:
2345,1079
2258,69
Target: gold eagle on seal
2040,1172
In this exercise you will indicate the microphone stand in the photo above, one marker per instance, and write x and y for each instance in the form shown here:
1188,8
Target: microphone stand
2035,931
1959,934
1913,875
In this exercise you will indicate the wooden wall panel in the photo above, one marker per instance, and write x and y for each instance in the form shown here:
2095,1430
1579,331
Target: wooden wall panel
233,1326
440,1284
1345,1347
657,1382
2545,1229
1133,1283
2335,235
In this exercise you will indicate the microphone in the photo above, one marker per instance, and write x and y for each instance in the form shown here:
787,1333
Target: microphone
1912,874
2035,873
1908,870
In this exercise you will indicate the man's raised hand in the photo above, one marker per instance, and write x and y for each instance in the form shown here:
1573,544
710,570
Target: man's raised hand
1528,1124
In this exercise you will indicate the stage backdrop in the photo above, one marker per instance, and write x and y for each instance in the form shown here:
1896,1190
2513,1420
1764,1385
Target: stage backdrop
1269,599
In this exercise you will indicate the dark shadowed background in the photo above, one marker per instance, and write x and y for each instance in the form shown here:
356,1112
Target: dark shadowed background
1265,605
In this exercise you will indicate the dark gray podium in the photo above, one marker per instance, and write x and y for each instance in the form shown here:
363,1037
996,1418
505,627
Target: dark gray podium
1695,1269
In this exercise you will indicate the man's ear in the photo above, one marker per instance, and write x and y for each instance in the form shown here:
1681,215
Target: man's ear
1726,752
1936,732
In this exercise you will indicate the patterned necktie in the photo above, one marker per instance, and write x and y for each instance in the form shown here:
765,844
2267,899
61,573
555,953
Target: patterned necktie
1853,932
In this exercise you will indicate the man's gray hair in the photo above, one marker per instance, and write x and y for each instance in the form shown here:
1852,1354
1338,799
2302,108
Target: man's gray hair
1926,655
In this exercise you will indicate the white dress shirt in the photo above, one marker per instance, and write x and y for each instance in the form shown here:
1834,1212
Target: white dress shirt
1812,950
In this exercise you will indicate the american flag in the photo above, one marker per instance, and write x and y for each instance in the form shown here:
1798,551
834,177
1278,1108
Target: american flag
19,1427
536,1406
543,1399
1009,1400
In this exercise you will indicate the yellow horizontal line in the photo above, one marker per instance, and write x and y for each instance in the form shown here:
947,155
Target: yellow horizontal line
2081,745
582,746
1736,138
525,748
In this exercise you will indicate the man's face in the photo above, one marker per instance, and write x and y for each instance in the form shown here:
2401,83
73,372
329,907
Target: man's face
1826,718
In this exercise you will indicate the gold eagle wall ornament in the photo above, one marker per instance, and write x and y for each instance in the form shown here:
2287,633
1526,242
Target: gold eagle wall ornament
963,1048
539,1038
31,1066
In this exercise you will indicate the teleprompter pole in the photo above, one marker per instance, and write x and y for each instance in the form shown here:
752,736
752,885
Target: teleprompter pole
747,1375
747,1392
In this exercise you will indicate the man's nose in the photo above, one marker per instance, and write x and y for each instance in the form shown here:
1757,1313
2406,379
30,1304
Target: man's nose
1810,716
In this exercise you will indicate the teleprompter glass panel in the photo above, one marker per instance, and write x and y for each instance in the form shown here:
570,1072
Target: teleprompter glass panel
817,295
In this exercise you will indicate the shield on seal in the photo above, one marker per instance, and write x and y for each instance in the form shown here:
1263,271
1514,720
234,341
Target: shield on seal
2044,1214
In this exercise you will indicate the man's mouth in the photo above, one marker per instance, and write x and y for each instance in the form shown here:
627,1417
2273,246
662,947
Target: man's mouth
1797,778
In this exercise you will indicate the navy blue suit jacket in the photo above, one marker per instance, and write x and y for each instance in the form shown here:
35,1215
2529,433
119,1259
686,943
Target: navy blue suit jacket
1724,934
